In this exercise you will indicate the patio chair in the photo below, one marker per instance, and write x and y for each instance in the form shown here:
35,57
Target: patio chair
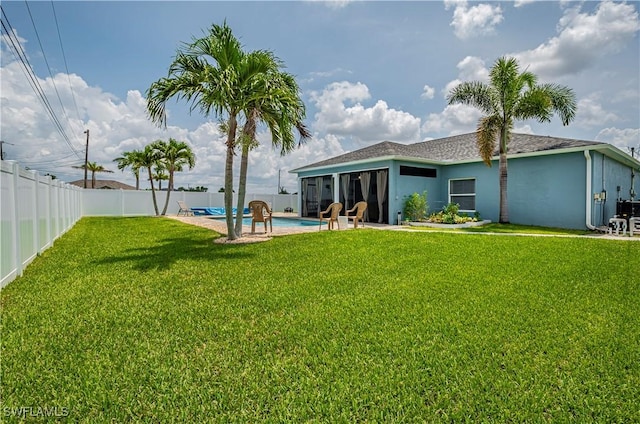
184,209
634,225
333,211
359,209
260,212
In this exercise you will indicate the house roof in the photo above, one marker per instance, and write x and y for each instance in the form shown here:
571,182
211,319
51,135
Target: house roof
458,148
104,184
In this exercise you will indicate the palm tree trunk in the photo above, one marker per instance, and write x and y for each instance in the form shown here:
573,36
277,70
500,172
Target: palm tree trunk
504,205
166,202
228,177
137,173
242,188
248,134
153,192
93,179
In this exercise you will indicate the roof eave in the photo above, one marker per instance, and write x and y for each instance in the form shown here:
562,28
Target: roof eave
604,148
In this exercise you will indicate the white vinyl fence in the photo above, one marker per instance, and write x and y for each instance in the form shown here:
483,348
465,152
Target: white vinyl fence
140,202
35,210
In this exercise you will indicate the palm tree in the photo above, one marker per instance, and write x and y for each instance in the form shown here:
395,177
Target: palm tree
148,159
281,109
93,167
217,77
510,96
159,175
174,155
131,159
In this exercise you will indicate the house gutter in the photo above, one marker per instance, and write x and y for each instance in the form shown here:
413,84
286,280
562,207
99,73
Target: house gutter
588,196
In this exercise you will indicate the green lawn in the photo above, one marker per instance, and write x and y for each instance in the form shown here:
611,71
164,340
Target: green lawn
146,319
494,227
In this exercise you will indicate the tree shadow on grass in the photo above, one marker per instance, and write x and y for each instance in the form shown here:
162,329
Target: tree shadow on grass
164,254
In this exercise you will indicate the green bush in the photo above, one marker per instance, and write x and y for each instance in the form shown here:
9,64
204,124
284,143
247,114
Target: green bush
415,207
449,215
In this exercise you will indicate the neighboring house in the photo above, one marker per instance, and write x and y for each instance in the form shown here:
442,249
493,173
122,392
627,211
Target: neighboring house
555,182
104,185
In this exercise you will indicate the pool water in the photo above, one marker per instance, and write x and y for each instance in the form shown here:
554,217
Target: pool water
284,222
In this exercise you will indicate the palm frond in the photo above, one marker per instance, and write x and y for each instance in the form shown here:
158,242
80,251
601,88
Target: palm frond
473,93
486,137
563,101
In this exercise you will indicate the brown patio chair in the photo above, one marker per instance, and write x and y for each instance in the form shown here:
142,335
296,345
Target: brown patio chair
333,211
359,209
184,209
260,212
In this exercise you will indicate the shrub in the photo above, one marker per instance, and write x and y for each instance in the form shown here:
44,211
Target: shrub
415,207
449,215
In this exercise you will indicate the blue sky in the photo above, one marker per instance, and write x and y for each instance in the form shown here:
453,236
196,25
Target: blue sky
369,71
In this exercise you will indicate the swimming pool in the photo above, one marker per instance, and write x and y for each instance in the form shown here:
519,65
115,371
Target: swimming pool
283,222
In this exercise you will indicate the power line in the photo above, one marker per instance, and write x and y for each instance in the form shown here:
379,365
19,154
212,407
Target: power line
44,56
19,53
64,57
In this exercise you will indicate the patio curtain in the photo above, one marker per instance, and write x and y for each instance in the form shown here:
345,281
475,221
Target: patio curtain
365,179
381,179
344,179
305,193
319,193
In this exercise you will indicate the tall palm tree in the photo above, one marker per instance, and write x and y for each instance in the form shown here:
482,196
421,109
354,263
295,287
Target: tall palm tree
510,96
281,109
149,159
217,77
174,155
93,167
131,159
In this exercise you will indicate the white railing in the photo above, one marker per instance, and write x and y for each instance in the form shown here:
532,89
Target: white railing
35,210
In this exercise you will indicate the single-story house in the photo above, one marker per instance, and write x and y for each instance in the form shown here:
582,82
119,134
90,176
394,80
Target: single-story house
555,182
104,185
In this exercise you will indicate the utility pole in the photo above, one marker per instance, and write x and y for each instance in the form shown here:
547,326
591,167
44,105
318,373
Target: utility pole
278,191
1,152
86,159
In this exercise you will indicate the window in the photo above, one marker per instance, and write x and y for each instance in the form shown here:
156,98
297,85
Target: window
417,172
463,192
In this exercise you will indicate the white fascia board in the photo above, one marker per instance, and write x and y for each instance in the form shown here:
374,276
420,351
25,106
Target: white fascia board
329,168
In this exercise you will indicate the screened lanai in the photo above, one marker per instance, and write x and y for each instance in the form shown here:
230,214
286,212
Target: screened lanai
319,192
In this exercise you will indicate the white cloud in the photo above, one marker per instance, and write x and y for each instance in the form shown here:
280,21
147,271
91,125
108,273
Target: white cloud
583,39
334,4
458,118
366,124
519,3
623,139
117,126
454,119
590,113
468,22
428,92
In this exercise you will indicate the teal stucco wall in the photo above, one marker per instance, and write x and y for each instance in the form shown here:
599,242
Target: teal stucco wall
543,190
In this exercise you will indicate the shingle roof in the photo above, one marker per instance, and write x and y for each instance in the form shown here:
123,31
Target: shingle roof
451,149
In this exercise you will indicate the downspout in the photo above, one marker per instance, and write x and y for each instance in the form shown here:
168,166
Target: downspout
589,194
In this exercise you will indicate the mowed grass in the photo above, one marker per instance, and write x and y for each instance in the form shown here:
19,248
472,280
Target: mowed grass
497,228
146,319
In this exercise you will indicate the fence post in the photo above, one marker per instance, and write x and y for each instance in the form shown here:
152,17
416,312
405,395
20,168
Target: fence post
36,207
47,202
15,218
